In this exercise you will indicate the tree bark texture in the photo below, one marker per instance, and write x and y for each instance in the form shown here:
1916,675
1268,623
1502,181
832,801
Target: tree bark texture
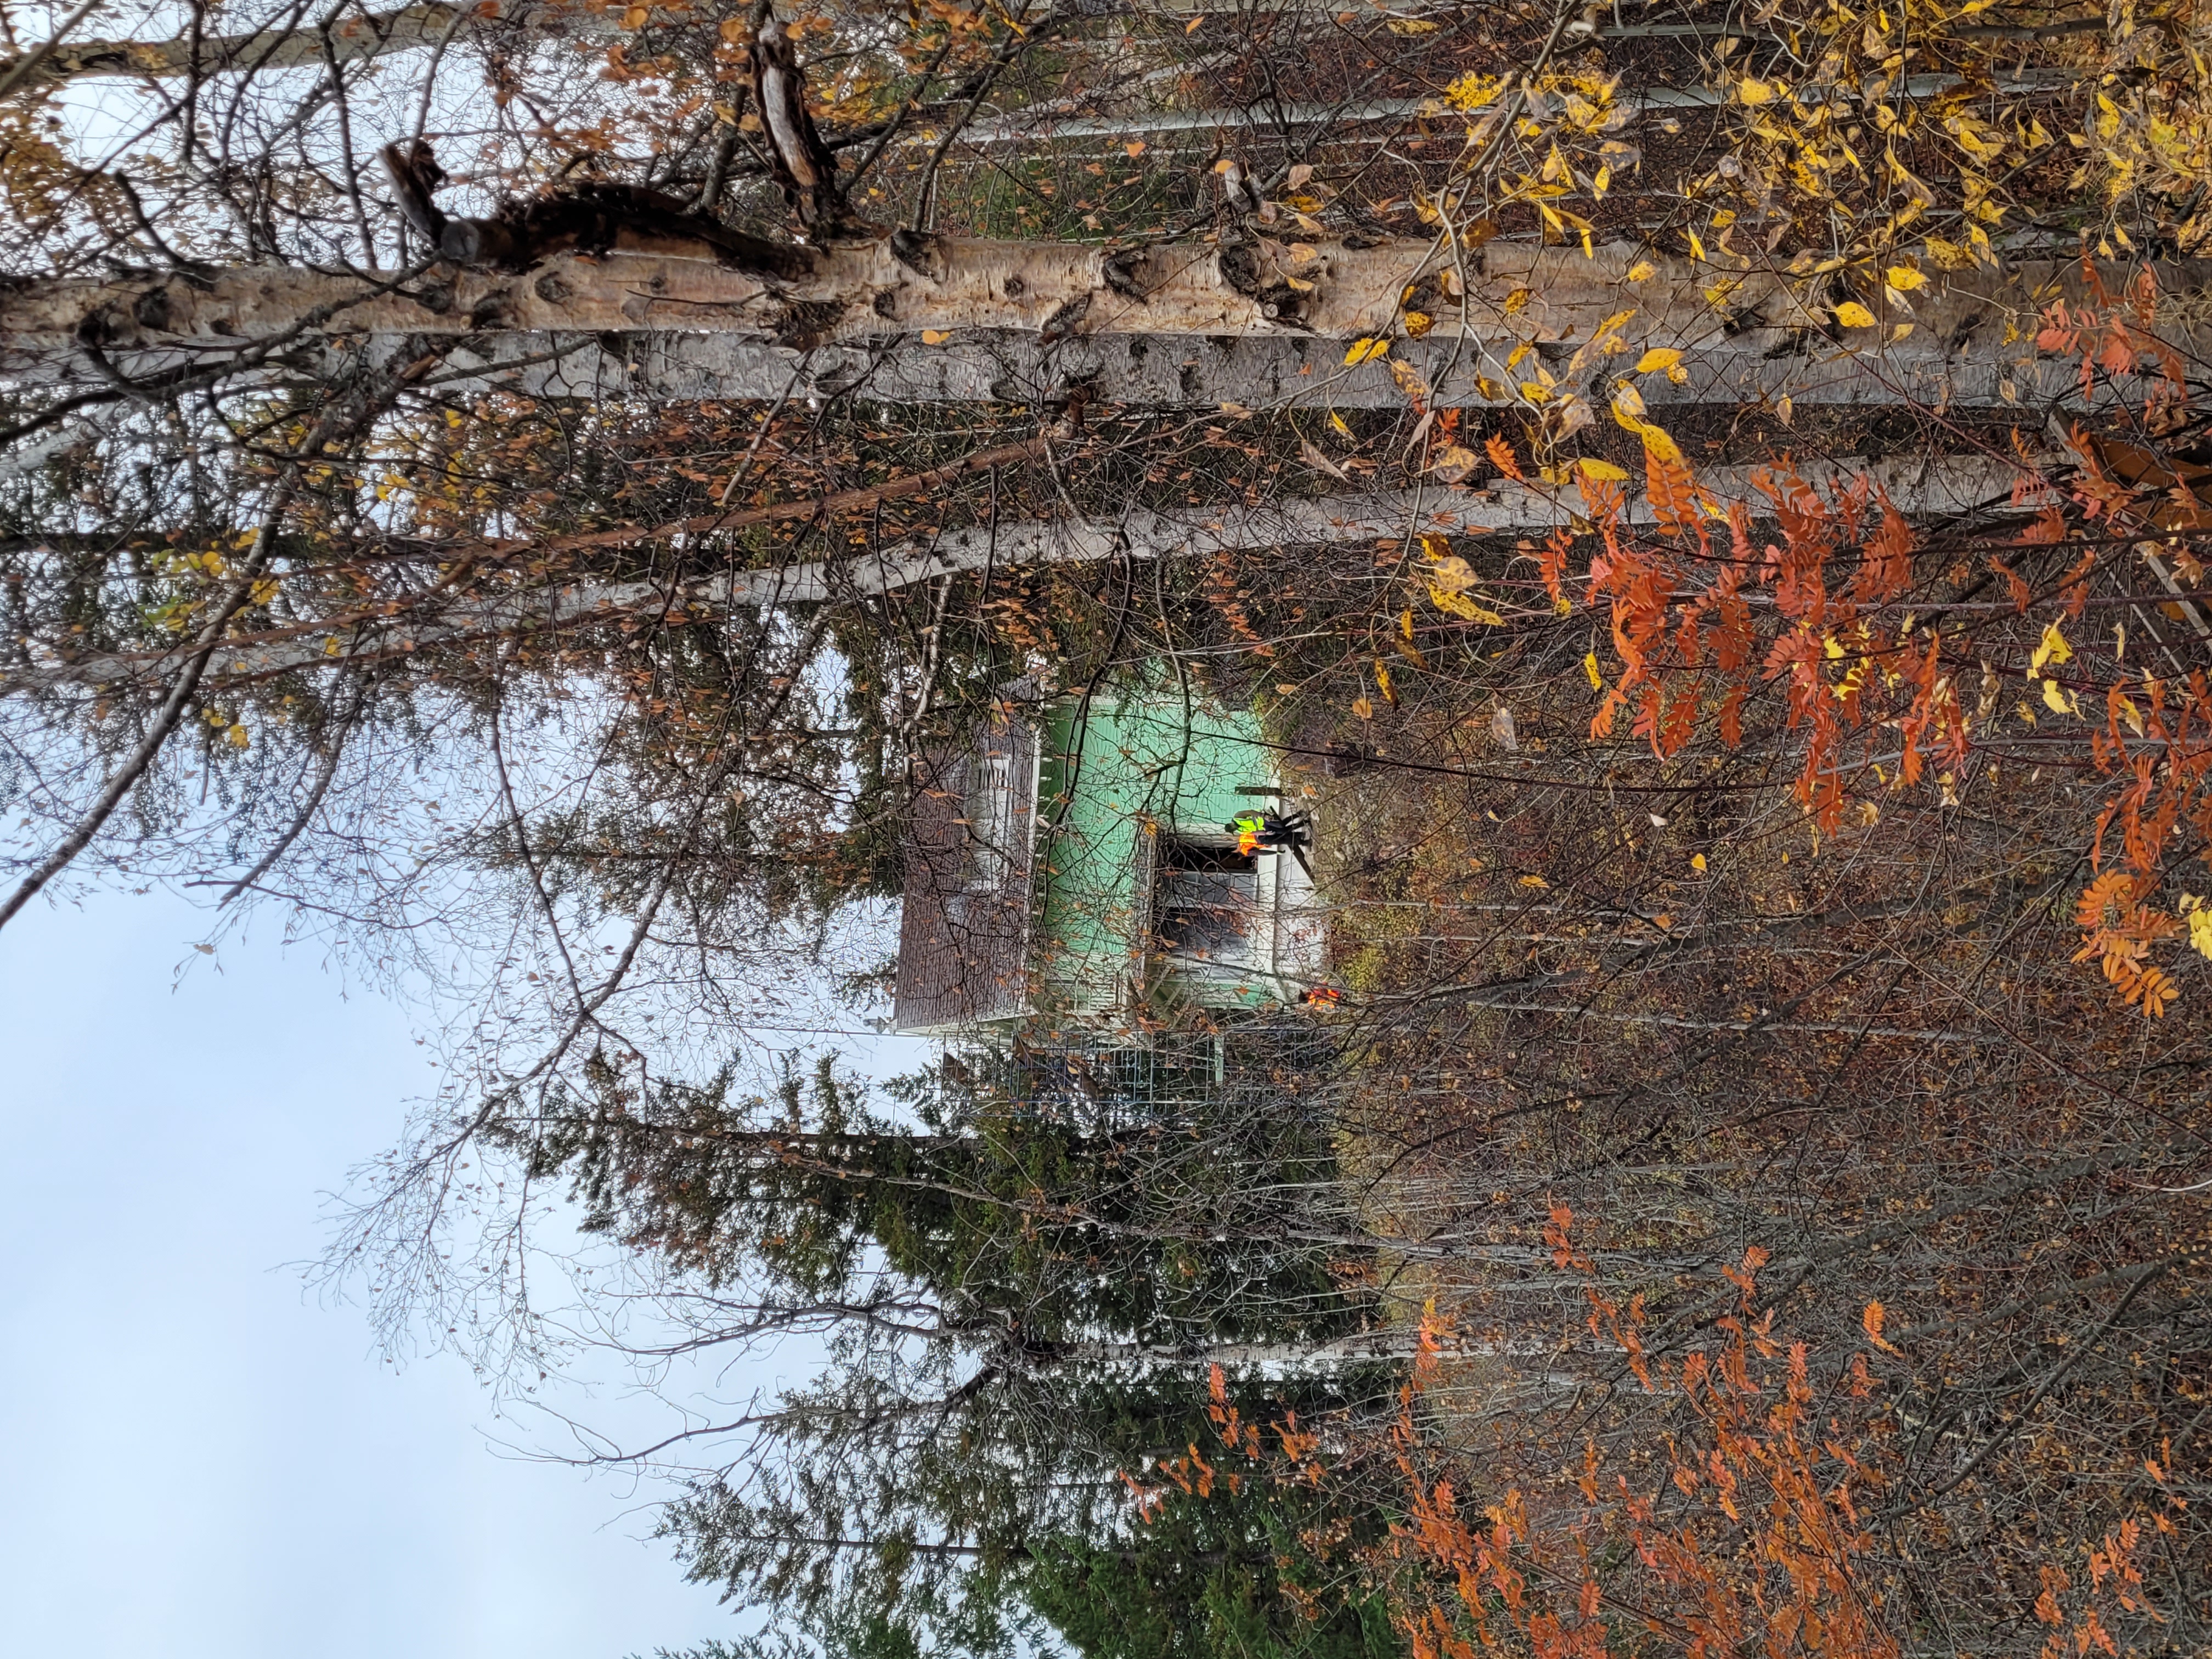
371,34
1020,126
1151,371
1918,486
295,45
1184,325
1257,371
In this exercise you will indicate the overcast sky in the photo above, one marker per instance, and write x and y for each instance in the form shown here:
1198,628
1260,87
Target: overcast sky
199,1459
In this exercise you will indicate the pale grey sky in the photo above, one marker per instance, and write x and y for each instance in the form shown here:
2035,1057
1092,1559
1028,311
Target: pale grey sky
199,1460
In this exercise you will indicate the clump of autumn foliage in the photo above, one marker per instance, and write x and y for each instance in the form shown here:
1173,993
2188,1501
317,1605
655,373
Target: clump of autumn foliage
1743,1491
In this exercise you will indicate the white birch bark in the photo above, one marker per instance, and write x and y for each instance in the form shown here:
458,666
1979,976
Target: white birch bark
370,34
1018,126
1259,372
297,44
1393,1342
1919,487
1061,294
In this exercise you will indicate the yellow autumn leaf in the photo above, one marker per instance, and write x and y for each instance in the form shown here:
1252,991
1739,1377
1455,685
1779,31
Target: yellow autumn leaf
2058,700
1628,406
1657,357
1698,862
1642,272
1904,278
1409,379
1604,337
1454,462
1589,667
935,336
1452,571
1363,708
1755,92
1363,349
1471,91
1337,420
1852,315
1605,471
1536,882
1460,604
238,737
1419,323
1382,682
2052,647
1657,444
2200,932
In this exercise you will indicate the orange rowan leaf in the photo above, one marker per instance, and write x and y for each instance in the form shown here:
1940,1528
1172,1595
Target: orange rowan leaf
1673,491
1872,1320
2104,899
2151,989
2022,594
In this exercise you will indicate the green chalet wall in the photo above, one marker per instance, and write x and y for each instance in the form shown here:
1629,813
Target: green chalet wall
1073,866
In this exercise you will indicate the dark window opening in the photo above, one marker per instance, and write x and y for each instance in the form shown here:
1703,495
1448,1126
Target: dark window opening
1207,896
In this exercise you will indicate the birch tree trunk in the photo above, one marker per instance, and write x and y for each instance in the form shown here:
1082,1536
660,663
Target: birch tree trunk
1919,487
1258,370
293,43
1019,126
1098,305
1396,1342
296,43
